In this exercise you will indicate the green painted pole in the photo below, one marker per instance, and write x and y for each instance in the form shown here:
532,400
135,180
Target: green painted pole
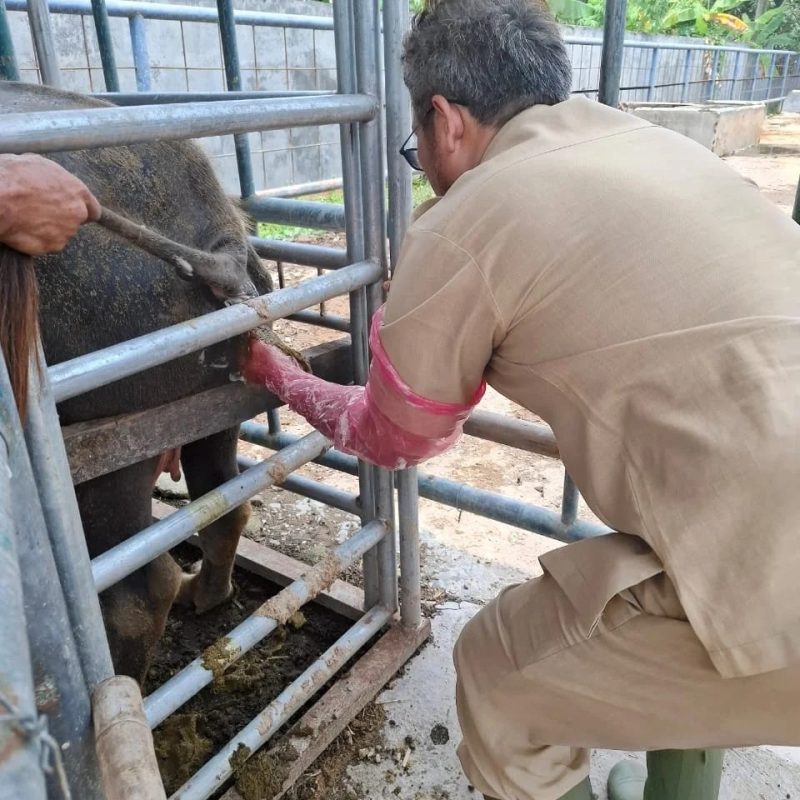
8,60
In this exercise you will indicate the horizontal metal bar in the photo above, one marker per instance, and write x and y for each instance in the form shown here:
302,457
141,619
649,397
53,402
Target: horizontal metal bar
306,255
303,189
313,490
247,634
330,321
132,554
451,493
303,213
216,771
512,432
585,40
255,433
159,98
121,8
73,129
102,367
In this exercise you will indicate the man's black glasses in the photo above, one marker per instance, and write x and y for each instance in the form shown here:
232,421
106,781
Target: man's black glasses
409,149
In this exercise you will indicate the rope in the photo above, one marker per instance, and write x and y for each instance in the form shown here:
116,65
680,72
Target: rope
34,730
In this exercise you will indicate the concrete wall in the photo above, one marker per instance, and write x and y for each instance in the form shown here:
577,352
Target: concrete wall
186,56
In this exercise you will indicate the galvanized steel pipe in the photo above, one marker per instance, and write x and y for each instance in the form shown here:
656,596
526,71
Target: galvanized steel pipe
85,128
44,600
60,507
122,8
367,37
105,45
302,213
613,51
313,490
42,33
148,98
20,770
141,63
8,59
306,255
451,493
330,321
516,433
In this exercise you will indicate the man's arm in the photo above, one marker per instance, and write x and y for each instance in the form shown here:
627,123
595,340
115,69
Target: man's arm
41,204
445,319
384,422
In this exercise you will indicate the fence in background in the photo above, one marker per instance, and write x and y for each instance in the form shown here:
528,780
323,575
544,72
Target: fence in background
688,71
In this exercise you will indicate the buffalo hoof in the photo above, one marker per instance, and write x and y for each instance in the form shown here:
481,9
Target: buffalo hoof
202,594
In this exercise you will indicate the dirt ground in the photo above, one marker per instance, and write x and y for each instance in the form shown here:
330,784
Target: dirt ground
466,560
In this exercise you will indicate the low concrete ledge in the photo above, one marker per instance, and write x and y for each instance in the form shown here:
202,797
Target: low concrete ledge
723,128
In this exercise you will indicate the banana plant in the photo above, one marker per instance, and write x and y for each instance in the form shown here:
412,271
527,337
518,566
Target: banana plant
700,16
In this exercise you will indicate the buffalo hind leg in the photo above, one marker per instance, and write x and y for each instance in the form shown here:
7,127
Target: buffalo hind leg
207,463
114,507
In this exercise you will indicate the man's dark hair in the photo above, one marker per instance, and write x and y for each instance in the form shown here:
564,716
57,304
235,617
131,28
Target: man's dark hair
497,57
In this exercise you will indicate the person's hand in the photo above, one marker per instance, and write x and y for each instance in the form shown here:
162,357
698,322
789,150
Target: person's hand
41,204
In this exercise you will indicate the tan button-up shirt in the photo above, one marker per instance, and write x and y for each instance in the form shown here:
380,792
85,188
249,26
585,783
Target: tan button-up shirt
644,299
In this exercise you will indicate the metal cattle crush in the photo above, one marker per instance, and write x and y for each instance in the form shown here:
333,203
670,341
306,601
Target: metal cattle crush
62,713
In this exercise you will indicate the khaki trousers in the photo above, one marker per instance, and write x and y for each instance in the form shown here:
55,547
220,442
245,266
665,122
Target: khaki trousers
538,686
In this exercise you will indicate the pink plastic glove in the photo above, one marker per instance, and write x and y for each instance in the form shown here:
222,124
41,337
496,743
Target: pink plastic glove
384,422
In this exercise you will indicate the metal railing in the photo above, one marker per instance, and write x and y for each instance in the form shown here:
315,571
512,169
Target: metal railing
691,71
355,109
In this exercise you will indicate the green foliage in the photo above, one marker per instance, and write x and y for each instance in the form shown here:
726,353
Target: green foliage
716,21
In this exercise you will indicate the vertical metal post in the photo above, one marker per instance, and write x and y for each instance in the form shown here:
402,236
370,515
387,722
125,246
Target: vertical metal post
367,34
651,81
42,33
613,52
755,77
8,60
233,77
687,71
354,224
60,691
244,158
106,45
713,82
60,507
20,766
769,77
735,74
569,501
398,124
141,56
785,74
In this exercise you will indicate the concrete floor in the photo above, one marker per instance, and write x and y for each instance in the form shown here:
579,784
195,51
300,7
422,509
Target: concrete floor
423,698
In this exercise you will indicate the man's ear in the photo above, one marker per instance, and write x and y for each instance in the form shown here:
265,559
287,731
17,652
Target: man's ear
449,122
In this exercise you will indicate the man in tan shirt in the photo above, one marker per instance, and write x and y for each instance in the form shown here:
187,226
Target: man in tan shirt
626,285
